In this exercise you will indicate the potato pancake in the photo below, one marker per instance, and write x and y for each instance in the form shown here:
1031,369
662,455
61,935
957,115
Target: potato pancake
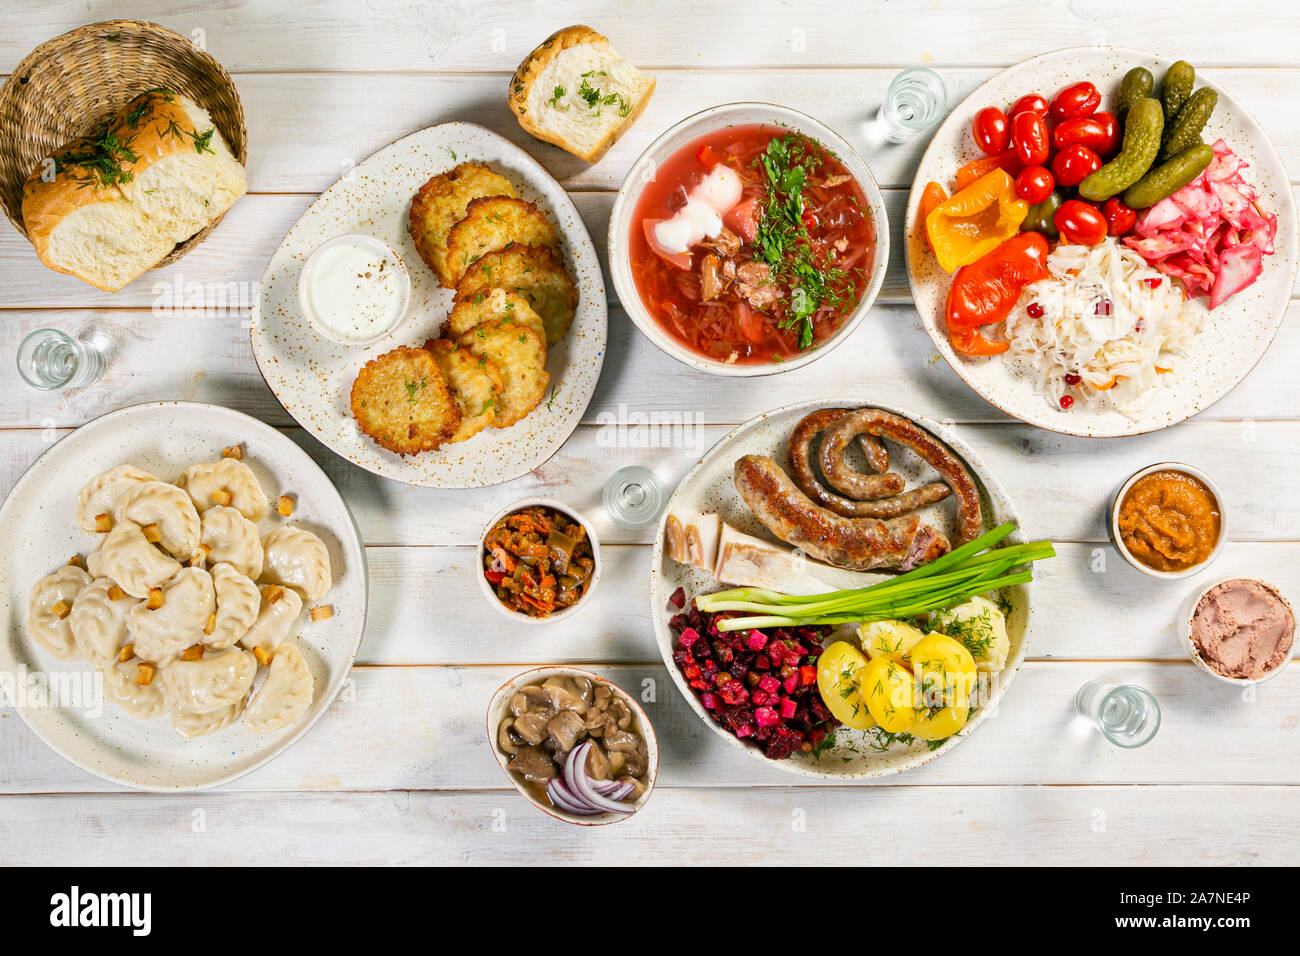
401,400
520,354
475,381
489,306
494,223
441,203
536,273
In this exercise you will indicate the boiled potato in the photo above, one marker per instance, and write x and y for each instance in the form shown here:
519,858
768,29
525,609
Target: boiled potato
942,723
837,681
892,639
891,694
981,627
944,669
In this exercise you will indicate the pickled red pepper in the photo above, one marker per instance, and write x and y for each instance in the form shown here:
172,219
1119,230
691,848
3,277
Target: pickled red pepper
985,291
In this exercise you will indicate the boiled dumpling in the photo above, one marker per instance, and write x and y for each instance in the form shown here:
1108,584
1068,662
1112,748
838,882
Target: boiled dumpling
131,561
229,475
160,634
48,623
100,495
166,507
141,701
210,683
197,725
99,621
234,539
284,696
275,619
298,559
238,602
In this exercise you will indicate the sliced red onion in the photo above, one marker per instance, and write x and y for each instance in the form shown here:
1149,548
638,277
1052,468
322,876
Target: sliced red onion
575,775
605,787
564,800
621,791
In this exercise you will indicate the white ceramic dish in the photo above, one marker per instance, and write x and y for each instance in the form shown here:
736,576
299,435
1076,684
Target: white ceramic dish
1237,334
689,129
312,377
568,612
1188,611
376,247
41,534
1118,500
497,710
709,487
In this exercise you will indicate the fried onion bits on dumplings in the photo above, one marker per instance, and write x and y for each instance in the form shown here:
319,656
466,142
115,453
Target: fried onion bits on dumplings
402,402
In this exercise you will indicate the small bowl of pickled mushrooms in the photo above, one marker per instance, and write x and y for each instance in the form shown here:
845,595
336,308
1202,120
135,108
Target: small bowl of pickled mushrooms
575,745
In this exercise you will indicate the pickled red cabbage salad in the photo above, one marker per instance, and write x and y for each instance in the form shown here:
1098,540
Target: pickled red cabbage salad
1107,326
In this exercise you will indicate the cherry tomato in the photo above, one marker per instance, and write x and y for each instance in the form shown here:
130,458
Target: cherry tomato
1029,138
1111,124
1088,131
1029,103
1080,223
1074,164
1120,219
1035,184
1078,99
991,130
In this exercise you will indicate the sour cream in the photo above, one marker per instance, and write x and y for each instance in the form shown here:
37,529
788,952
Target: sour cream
701,217
354,289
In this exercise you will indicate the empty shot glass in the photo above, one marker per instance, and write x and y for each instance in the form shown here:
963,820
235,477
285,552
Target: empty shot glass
1126,714
50,359
915,102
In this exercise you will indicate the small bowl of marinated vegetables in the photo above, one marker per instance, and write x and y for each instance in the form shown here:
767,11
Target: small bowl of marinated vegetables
577,746
538,560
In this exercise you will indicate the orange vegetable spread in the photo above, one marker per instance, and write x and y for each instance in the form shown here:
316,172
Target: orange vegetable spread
1169,521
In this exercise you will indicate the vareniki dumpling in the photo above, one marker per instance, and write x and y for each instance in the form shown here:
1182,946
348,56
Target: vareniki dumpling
130,560
234,539
298,559
231,476
210,683
284,696
100,495
141,701
238,601
49,612
99,621
167,508
275,619
161,634
197,725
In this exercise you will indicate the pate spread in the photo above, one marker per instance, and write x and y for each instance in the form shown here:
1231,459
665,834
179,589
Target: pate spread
1169,521
1242,629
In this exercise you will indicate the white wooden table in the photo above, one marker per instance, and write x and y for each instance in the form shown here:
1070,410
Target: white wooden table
398,771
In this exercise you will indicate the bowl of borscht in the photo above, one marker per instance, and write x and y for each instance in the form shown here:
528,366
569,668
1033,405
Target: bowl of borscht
748,239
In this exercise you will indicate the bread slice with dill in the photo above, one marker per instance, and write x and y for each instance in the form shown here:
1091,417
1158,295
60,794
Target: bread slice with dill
575,91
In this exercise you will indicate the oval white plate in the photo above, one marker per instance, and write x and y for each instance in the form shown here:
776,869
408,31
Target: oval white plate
709,487
1237,333
312,376
41,534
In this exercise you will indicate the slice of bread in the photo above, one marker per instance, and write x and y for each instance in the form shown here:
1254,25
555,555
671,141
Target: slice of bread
109,207
576,91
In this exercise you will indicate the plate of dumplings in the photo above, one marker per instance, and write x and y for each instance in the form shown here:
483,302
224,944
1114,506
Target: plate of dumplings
185,591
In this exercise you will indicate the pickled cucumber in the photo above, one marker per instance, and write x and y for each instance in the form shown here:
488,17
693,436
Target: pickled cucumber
1184,130
1169,177
1177,87
1142,129
1137,84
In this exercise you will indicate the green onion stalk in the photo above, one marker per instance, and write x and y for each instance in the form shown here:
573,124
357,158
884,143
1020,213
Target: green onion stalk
976,567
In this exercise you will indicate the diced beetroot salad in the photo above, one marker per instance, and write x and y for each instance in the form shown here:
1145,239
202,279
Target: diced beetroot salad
759,685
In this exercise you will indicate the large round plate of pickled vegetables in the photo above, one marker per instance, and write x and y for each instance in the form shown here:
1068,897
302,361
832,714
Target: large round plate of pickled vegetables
1089,367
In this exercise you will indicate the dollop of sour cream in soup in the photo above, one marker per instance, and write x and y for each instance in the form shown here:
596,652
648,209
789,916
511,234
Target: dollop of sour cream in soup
355,290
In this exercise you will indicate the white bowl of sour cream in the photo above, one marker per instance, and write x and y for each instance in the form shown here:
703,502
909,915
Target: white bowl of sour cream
354,289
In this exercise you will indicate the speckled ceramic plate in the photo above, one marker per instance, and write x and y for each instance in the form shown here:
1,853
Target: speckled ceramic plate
312,376
1236,335
709,487
41,534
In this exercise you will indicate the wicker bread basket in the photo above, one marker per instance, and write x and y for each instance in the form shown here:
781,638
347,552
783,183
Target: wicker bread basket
72,85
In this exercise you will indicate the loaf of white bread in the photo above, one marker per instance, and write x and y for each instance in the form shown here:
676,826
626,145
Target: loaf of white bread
575,91
108,208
